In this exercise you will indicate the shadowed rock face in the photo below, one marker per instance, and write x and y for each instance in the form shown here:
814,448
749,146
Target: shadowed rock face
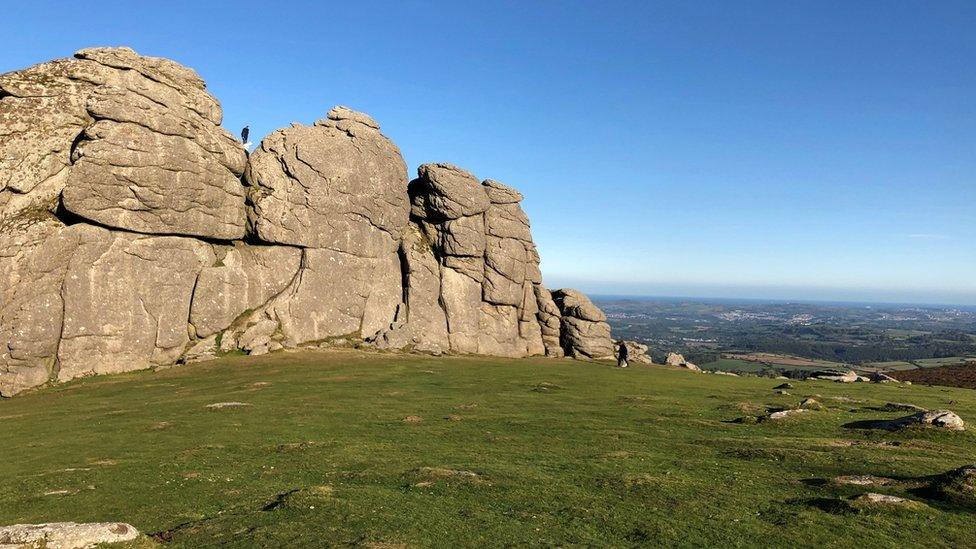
135,232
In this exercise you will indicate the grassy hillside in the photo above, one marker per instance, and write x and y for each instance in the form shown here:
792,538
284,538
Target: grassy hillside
493,452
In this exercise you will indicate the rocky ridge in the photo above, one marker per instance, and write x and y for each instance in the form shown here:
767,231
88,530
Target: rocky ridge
136,232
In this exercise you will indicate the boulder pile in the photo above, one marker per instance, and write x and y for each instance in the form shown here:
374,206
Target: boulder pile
136,232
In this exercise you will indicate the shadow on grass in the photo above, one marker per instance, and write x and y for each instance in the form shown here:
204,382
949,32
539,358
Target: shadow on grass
874,424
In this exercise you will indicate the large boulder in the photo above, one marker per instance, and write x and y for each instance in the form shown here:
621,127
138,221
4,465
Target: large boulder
678,360
66,535
585,332
131,177
340,184
337,189
944,419
149,154
636,352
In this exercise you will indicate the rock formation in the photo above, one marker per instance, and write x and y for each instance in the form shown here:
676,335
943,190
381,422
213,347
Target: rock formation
584,331
675,359
636,352
136,232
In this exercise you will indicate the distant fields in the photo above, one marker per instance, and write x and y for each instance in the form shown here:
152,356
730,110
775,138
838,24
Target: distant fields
766,362
761,362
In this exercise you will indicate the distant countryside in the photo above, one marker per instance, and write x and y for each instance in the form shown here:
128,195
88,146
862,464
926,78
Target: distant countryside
795,339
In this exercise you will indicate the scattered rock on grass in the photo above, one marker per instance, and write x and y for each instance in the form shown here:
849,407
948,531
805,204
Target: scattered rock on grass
546,387
849,376
675,359
431,475
222,405
783,414
786,385
944,419
872,499
878,377
413,419
452,417
862,480
901,407
957,486
66,535
811,404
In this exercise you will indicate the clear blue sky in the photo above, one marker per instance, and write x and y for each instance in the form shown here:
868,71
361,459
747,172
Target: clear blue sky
785,149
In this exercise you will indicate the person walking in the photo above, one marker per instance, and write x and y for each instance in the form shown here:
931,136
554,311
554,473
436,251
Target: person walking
622,355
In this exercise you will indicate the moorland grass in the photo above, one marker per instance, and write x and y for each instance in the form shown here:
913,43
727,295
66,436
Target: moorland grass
531,452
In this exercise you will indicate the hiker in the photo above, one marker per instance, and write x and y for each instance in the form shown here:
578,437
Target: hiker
244,133
622,355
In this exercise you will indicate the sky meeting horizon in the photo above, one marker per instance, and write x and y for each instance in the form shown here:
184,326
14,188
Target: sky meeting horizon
774,150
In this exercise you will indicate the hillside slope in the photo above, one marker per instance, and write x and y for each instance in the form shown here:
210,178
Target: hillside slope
373,449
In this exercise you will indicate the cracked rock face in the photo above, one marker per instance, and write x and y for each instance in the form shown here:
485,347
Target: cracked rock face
135,232
66,535
34,256
585,332
126,300
339,184
472,270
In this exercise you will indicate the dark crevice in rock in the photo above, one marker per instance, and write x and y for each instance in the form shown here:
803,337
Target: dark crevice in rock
74,145
70,218
189,313
404,282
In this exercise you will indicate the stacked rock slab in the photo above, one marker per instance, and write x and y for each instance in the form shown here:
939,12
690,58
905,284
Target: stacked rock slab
135,232
472,278
584,329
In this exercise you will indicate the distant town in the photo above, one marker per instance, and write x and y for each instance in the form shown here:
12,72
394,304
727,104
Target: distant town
748,336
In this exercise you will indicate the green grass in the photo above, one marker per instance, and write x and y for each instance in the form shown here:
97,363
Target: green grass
892,365
566,453
748,366
935,362
735,365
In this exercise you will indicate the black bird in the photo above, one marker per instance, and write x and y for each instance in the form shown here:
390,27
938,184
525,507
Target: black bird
244,134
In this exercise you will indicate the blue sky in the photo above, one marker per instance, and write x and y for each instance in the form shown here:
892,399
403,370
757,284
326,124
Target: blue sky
795,150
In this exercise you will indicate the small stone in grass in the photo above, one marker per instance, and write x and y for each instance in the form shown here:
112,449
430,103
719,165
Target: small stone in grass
222,405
